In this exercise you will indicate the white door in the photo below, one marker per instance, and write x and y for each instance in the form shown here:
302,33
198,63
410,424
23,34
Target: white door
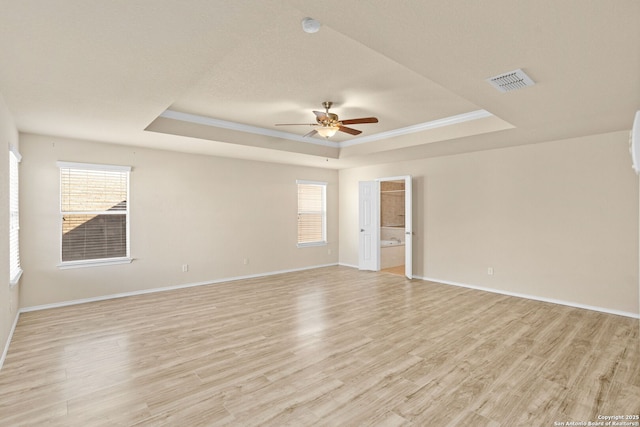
369,221
408,228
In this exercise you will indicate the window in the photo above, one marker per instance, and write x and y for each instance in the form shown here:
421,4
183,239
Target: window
94,208
15,271
312,213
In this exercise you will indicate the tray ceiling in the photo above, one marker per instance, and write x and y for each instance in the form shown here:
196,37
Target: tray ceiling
214,77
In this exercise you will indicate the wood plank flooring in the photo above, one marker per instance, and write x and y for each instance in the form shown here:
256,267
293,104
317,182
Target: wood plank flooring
327,347
399,269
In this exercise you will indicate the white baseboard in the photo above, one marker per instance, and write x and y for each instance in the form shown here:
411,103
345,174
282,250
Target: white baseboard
166,288
6,345
534,297
252,276
348,265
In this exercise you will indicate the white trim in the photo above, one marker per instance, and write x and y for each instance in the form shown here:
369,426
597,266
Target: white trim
210,121
303,181
308,244
534,297
92,166
167,288
394,178
447,121
433,124
9,338
342,264
16,279
15,152
94,263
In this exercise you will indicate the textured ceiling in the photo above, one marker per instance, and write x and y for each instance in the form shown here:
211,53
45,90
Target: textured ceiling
126,71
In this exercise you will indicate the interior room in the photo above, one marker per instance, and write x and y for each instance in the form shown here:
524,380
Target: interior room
319,213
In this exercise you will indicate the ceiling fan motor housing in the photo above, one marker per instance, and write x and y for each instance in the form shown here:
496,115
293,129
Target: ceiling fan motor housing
328,119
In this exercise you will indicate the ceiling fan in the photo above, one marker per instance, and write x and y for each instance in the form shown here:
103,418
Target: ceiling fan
327,124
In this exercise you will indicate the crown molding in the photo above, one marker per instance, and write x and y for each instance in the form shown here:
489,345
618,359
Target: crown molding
420,127
223,124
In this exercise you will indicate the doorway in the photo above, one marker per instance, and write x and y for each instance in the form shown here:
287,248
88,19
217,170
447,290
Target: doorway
385,219
392,226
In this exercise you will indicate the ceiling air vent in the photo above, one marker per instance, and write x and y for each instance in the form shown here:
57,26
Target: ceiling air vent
513,80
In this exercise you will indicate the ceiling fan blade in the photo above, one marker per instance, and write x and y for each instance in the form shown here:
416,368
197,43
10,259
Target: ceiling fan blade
313,132
349,130
296,124
360,121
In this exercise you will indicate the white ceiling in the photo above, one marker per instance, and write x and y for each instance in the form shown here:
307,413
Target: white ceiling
213,77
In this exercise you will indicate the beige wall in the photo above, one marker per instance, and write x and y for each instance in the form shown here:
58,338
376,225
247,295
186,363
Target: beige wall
8,296
204,211
557,220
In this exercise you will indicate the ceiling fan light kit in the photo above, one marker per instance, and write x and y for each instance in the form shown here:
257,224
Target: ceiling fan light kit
328,131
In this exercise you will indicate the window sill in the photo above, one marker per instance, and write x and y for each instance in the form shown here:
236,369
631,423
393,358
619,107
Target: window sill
306,245
13,282
93,263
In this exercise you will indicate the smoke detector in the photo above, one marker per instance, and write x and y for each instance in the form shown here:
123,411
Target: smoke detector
513,80
310,25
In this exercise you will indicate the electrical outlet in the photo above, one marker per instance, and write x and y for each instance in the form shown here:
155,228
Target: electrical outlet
329,251
245,261
490,271
185,268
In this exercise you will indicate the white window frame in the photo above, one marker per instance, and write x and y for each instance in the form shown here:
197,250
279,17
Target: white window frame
15,269
322,242
99,261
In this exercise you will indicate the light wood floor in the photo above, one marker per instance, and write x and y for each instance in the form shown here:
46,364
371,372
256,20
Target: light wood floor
328,347
394,270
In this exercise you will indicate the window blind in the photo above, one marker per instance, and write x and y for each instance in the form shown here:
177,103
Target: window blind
15,271
311,213
94,209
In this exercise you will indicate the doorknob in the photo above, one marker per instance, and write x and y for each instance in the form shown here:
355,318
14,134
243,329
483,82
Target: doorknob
362,230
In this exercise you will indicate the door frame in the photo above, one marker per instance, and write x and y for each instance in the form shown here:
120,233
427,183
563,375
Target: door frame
374,264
